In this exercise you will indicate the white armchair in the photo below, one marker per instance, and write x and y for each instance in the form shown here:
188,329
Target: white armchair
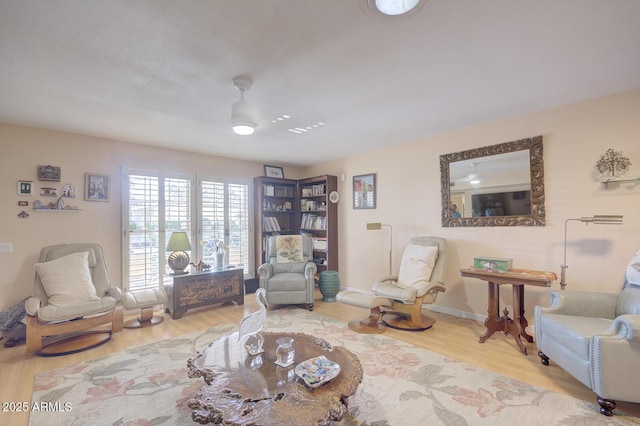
397,299
595,337
72,292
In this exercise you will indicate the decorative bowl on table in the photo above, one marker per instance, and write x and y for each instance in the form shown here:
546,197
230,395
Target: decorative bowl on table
317,371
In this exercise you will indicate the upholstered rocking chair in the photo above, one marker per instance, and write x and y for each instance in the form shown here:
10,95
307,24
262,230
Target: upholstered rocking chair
72,294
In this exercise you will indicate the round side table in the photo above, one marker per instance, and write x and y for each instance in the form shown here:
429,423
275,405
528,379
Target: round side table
329,285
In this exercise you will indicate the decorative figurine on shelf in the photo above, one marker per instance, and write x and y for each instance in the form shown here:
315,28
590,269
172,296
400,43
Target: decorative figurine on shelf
249,332
201,266
613,161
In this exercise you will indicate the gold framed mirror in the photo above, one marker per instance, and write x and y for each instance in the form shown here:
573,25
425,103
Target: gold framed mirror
497,185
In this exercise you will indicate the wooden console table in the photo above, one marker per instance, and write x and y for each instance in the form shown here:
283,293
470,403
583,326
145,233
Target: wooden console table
204,288
518,278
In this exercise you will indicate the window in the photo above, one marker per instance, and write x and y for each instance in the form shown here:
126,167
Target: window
225,217
158,205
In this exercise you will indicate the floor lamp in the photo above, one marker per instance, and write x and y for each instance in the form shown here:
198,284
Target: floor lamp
376,226
596,219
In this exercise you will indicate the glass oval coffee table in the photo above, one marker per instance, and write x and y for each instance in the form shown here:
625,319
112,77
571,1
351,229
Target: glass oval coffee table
244,389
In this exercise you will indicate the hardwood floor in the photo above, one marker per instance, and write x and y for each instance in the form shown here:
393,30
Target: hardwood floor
451,336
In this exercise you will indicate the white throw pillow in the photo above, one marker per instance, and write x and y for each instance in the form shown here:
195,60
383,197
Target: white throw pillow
416,265
67,280
633,270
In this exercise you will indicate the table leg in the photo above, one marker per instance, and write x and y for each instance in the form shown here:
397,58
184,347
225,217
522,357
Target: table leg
493,322
518,313
523,321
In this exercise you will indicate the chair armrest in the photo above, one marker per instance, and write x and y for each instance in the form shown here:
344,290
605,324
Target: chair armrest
581,303
627,327
265,271
310,270
386,280
114,292
32,306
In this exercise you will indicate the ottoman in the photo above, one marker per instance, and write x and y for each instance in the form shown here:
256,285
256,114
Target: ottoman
144,300
371,324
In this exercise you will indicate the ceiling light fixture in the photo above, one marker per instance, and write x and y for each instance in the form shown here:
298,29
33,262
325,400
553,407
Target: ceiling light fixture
242,113
394,7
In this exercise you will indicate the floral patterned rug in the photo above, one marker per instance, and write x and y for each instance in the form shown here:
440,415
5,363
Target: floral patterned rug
402,385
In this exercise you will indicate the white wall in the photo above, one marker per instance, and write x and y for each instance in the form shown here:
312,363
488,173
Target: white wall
408,198
24,148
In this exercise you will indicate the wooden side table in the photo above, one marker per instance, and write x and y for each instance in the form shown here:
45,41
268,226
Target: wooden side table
204,288
518,278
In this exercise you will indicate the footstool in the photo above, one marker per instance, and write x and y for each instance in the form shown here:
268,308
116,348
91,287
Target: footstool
144,300
371,324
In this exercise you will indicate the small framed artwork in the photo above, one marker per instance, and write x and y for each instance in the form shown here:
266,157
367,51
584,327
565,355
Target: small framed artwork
49,173
23,203
96,187
364,191
274,171
25,187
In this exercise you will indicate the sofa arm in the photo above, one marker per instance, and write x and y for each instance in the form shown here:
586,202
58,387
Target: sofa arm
32,306
581,303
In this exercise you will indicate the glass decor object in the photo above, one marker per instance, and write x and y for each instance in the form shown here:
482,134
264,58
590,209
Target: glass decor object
285,353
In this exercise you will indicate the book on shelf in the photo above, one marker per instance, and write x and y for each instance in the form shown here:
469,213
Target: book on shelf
269,190
313,222
314,190
270,224
320,243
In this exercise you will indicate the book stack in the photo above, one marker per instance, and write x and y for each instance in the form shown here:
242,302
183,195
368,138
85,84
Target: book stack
312,221
270,224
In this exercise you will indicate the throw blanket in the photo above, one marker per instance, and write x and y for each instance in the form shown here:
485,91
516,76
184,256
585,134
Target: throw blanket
11,317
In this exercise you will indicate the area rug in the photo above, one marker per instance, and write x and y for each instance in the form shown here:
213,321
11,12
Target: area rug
402,385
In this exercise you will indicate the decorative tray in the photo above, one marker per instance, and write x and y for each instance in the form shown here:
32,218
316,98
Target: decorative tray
317,371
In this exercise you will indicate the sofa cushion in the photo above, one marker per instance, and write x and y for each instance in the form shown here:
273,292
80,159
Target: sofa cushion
416,265
67,280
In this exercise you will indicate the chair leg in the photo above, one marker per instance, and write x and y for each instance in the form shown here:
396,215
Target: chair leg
606,406
310,306
543,358
369,325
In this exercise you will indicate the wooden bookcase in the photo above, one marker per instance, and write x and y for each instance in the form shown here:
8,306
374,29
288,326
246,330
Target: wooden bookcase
286,206
277,208
319,218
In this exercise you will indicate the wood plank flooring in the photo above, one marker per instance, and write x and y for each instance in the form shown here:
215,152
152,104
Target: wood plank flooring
451,336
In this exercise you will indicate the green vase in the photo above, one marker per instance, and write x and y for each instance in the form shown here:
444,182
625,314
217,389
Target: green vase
329,285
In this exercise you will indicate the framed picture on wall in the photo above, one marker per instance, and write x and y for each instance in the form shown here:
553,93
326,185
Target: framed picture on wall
96,187
364,191
273,171
25,187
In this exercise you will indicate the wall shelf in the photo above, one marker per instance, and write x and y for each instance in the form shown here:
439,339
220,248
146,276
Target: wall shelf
605,183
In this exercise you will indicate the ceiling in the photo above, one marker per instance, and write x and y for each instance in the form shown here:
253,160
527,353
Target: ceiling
159,72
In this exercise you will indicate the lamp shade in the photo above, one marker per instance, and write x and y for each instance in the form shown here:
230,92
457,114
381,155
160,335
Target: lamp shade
242,120
179,241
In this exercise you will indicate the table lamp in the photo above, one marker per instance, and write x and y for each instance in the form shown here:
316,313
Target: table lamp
376,226
178,246
596,219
